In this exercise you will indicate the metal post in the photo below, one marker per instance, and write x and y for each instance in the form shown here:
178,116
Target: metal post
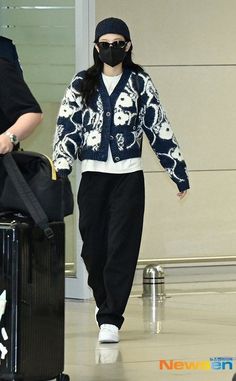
154,282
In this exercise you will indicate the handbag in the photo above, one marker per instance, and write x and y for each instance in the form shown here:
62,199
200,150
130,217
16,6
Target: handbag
25,175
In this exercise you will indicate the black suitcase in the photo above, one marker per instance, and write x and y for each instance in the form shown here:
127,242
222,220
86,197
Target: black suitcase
32,278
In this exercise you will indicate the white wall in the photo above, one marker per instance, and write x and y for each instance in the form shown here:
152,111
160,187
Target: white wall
188,48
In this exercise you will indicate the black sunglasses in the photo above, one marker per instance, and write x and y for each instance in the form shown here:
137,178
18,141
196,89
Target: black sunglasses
115,44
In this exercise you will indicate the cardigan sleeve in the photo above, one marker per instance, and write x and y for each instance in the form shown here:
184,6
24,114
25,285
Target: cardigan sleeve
67,138
160,135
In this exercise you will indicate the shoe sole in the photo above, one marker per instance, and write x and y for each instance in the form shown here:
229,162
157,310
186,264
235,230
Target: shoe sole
108,341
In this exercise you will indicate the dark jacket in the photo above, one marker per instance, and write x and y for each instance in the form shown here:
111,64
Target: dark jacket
9,53
119,120
16,98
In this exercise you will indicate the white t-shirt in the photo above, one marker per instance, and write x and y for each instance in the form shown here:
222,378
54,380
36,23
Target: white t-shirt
109,166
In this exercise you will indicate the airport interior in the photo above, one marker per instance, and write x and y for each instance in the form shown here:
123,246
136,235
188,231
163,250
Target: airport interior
180,320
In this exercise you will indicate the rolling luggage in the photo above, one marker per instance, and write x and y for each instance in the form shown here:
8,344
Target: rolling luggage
31,301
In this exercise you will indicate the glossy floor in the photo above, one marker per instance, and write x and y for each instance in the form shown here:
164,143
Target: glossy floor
188,328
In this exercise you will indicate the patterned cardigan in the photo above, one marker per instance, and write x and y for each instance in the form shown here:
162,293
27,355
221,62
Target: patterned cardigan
117,120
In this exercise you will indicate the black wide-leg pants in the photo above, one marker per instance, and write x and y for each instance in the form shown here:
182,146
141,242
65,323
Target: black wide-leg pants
111,208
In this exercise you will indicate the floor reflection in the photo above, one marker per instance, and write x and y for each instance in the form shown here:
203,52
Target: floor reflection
183,328
153,314
107,353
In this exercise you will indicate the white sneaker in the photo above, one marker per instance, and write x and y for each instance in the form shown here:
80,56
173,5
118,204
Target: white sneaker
108,334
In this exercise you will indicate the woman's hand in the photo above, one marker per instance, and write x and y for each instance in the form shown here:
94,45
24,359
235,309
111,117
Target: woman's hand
181,195
5,144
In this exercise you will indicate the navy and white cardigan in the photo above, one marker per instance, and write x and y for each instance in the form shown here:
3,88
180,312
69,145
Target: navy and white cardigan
118,120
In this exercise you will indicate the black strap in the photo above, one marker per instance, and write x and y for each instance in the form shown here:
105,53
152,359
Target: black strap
26,195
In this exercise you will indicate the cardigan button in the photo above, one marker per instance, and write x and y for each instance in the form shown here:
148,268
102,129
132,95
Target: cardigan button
117,158
108,113
111,137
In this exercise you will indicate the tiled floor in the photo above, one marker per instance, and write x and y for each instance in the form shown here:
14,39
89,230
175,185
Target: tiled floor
186,327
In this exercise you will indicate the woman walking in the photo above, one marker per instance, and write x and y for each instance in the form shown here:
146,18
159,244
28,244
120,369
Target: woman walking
101,120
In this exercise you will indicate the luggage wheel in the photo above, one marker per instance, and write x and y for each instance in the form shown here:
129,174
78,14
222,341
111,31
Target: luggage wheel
63,377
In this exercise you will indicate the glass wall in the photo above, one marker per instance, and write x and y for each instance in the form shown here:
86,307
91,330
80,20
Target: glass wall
44,34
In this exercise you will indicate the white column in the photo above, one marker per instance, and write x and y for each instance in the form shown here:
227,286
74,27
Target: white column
84,36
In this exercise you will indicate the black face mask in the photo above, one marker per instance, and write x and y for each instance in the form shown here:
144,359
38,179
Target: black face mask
112,56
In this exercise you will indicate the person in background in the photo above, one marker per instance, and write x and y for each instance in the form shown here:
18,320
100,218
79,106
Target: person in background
20,113
102,118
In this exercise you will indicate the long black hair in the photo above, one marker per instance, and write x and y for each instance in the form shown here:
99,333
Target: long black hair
90,82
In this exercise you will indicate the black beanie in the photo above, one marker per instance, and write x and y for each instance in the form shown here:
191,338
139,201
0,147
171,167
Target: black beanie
112,25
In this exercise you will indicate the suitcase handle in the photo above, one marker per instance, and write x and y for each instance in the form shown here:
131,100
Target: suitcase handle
27,196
